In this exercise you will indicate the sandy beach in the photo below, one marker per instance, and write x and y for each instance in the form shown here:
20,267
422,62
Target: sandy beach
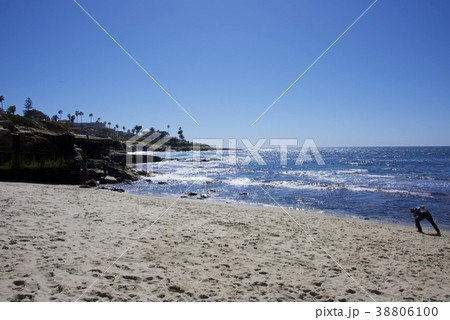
65,243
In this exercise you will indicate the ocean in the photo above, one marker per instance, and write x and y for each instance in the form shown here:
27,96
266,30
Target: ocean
375,183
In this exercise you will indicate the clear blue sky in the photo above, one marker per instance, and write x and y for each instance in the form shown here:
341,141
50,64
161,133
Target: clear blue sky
386,82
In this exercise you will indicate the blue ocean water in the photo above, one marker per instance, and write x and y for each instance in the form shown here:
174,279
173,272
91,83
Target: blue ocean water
377,183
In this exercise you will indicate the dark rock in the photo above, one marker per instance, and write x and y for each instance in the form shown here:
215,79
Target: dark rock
243,194
91,183
135,159
95,174
118,157
112,189
30,151
162,182
32,154
97,148
108,180
122,174
191,194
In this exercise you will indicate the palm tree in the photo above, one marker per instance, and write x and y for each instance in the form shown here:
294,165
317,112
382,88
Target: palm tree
109,125
69,116
168,127
90,116
11,110
98,119
180,134
28,107
81,114
60,112
123,128
77,113
137,129
2,98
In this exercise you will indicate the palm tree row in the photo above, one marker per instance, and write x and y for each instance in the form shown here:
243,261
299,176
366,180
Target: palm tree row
73,118
9,110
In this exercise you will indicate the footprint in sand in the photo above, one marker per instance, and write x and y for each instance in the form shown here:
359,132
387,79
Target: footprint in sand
130,277
19,283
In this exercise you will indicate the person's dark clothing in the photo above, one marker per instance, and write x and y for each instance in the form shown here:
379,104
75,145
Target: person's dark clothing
85,175
85,164
421,214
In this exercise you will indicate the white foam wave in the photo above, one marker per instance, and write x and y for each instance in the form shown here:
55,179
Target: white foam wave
301,185
242,182
352,171
180,178
315,174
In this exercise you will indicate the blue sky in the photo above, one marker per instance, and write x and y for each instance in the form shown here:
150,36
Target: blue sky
386,82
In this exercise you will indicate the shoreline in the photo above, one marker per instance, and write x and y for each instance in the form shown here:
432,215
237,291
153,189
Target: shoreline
338,214
56,240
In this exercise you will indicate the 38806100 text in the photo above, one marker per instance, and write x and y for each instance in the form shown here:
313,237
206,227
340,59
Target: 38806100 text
406,312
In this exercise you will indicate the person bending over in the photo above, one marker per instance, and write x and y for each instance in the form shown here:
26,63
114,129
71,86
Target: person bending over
420,213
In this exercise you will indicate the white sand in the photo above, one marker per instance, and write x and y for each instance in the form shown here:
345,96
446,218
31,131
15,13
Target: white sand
56,241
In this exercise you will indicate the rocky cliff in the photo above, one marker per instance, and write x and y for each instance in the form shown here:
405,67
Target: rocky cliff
28,153
32,152
47,151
